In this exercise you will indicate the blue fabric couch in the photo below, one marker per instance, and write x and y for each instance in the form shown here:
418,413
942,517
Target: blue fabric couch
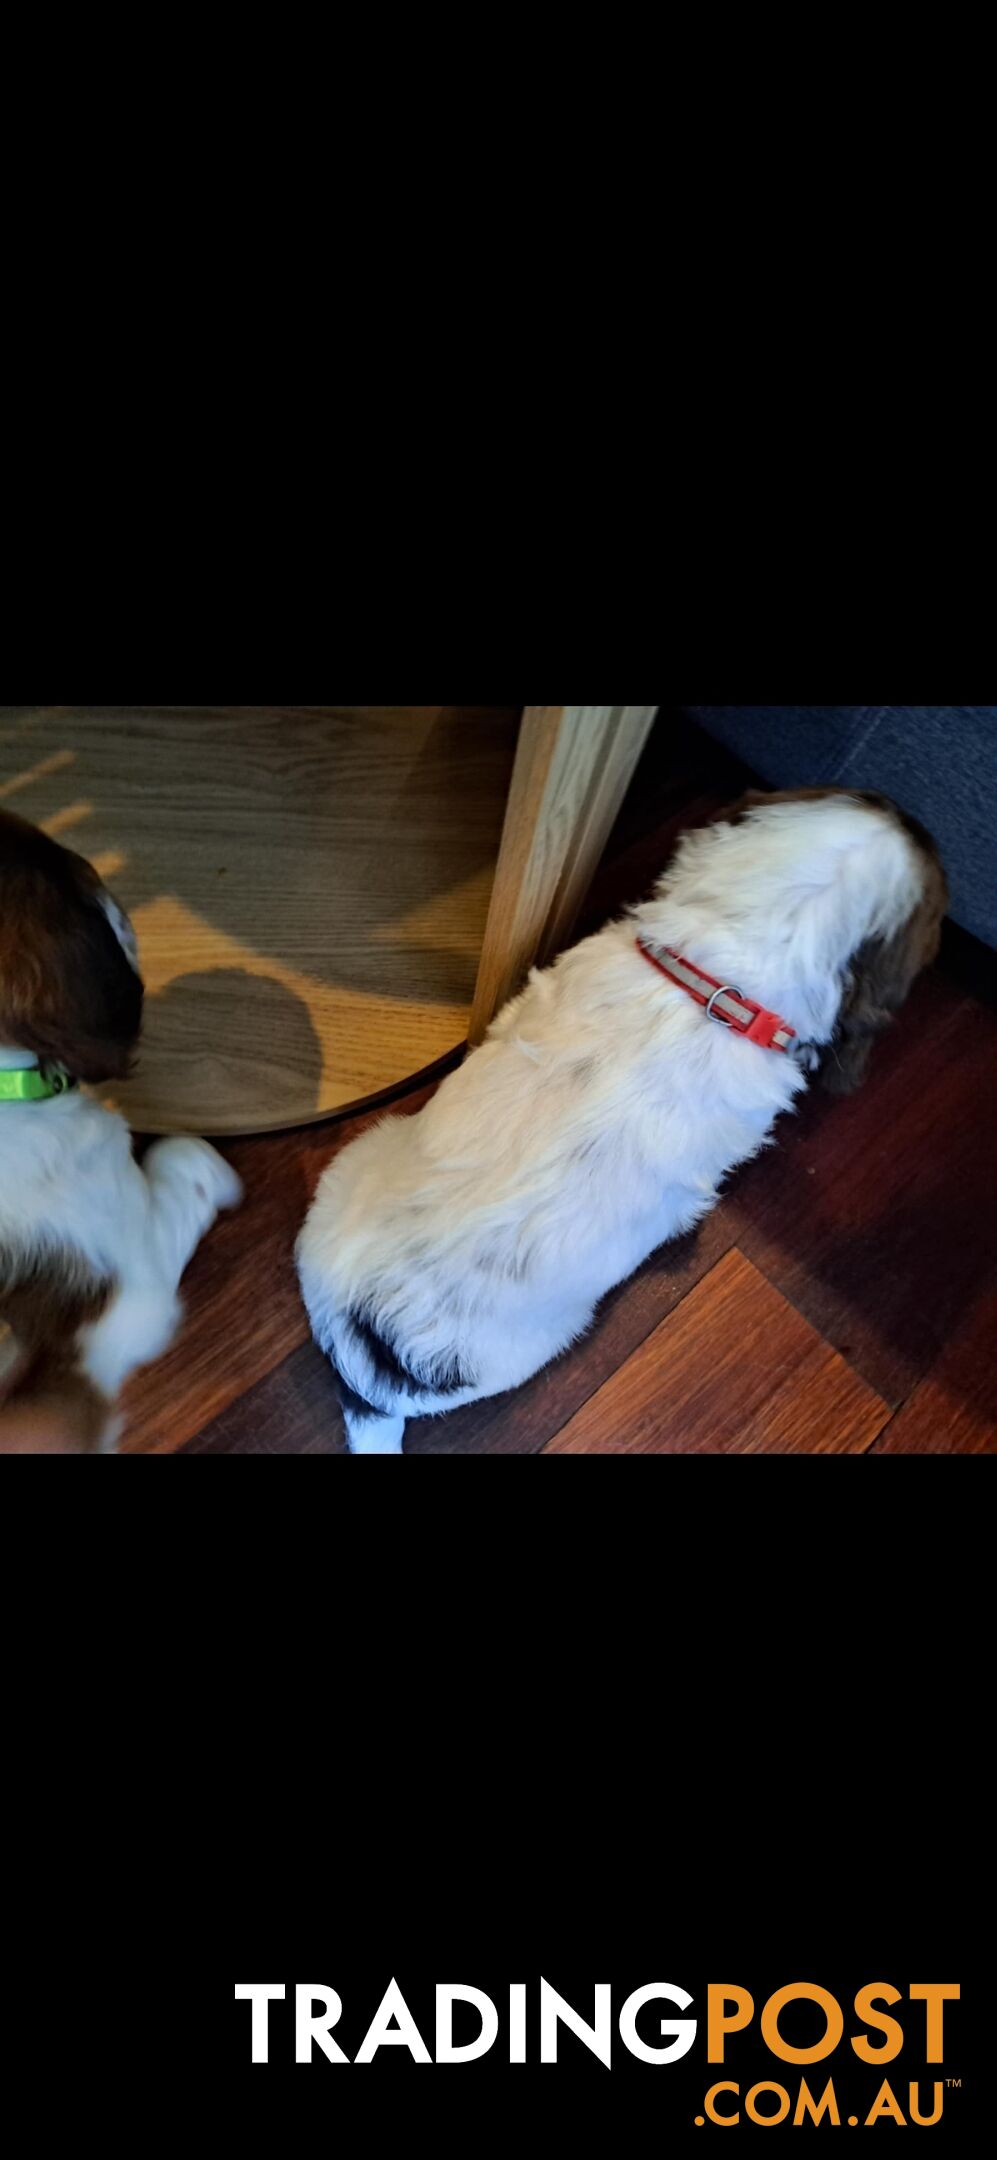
937,761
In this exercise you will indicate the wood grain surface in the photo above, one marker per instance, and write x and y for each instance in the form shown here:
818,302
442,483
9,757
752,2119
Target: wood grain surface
876,1213
735,1369
309,885
954,1410
572,769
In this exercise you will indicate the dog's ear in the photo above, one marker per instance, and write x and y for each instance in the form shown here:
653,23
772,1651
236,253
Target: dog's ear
875,988
878,979
67,989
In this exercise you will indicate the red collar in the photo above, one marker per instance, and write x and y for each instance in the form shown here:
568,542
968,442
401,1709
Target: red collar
722,1001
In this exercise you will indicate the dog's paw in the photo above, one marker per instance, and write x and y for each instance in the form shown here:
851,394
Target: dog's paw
197,1164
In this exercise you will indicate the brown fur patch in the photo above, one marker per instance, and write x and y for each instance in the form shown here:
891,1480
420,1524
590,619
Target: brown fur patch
67,991
879,977
47,1404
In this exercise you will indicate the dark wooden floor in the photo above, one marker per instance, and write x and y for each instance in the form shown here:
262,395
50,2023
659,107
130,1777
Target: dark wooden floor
841,1299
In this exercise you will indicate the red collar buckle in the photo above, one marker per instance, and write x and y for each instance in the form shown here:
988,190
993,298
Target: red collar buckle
765,1027
723,1002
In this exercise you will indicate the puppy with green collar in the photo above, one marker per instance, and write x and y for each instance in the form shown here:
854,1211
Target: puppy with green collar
92,1246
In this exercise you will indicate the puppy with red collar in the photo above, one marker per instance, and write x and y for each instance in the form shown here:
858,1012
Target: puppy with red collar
450,1255
92,1247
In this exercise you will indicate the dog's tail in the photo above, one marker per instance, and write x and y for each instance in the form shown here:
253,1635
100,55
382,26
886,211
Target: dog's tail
369,1431
373,1427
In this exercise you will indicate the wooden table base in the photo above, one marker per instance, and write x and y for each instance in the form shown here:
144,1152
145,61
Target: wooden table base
329,899
309,888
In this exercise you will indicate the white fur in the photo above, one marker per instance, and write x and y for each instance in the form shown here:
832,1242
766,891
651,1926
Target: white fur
69,1182
599,1117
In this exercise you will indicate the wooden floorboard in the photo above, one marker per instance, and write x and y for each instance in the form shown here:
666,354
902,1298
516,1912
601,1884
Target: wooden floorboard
876,1214
954,1411
735,1370
294,1410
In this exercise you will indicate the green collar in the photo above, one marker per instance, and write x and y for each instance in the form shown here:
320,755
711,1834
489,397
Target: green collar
34,1083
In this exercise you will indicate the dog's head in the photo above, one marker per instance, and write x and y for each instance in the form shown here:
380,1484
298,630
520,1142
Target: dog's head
70,989
876,975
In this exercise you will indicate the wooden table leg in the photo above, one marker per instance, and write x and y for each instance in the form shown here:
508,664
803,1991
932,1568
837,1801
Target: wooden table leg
573,766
